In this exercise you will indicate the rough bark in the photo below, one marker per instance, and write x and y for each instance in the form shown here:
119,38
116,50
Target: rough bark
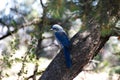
84,45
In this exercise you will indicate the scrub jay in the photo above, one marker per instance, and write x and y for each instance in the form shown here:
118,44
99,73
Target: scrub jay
64,41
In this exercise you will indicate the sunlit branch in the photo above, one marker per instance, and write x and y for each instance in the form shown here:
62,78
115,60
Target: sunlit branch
35,21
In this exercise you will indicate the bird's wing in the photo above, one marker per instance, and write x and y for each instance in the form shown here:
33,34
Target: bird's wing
62,38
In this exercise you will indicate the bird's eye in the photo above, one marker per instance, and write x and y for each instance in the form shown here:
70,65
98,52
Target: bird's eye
54,28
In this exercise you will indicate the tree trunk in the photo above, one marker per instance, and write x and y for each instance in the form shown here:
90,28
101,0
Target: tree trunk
84,45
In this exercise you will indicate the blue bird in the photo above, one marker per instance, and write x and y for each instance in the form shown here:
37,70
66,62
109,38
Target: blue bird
64,41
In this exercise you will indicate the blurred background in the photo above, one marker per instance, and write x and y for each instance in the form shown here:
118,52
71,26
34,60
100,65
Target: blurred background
27,45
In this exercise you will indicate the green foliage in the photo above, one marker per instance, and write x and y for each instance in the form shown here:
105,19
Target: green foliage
116,49
72,6
7,75
105,63
98,57
13,23
7,61
14,44
114,70
106,31
56,8
65,10
117,69
18,60
10,59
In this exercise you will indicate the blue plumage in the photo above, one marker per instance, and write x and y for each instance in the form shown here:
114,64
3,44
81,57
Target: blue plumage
63,39
67,57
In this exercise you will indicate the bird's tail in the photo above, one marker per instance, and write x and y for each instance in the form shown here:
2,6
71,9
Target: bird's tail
67,57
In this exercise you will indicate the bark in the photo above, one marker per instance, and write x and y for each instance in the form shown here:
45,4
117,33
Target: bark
84,46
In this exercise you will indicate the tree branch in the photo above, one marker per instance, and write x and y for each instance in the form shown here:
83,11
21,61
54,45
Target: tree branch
35,21
34,73
84,46
42,4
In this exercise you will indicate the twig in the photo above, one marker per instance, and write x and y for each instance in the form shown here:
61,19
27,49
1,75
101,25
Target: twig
33,76
35,21
34,73
8,34
23,65
42,4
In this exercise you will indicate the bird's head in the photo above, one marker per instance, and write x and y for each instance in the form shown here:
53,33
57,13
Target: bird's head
56,28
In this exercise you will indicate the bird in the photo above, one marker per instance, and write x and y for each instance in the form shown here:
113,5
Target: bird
64,41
